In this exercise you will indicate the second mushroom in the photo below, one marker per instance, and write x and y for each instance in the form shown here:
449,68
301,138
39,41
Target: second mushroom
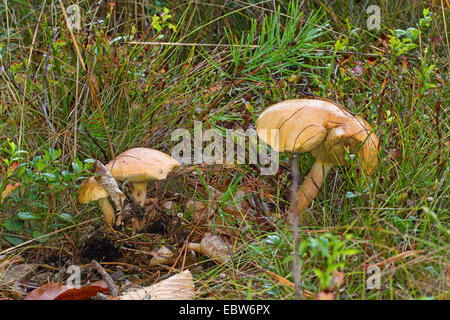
141,166
321,127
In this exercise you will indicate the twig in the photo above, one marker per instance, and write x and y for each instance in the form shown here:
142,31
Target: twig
108,279
45,103
439,165
158,43
294,216
105,156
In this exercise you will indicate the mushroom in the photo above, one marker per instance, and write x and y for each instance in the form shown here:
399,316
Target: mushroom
213,247
323,128
89,191
140,166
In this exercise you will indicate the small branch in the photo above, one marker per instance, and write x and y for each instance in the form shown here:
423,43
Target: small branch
157,43
439,166
105,156
46,103
109,281
294,217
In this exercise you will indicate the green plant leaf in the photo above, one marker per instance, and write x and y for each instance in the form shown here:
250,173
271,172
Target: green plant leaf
15,241
412,33
40,165
13,225
76,167
37,234
66,217
28,216
399,32
350,195
56,154
410,46
50,176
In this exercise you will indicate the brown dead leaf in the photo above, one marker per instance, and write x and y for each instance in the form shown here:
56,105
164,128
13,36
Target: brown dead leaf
394,154
10,273
201,211
58,291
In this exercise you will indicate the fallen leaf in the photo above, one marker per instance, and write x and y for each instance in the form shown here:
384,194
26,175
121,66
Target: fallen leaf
177,287
200,211
58,291
107,182
10,273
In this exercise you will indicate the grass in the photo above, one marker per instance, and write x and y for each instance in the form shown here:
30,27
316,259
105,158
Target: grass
242,58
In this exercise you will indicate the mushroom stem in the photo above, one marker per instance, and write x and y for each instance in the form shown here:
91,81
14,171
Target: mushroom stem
195,247
312,184
139,192
108,211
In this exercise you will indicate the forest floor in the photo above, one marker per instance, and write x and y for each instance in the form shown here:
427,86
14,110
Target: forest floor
134,72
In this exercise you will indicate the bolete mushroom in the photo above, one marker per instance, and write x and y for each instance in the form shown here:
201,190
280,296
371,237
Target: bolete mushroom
140,166
323,128
89,191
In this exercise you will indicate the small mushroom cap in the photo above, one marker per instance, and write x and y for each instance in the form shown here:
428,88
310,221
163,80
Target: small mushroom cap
90,190
142,165
321,127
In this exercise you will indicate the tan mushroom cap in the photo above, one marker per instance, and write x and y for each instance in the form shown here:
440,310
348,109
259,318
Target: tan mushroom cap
90,190
142,165
321,127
